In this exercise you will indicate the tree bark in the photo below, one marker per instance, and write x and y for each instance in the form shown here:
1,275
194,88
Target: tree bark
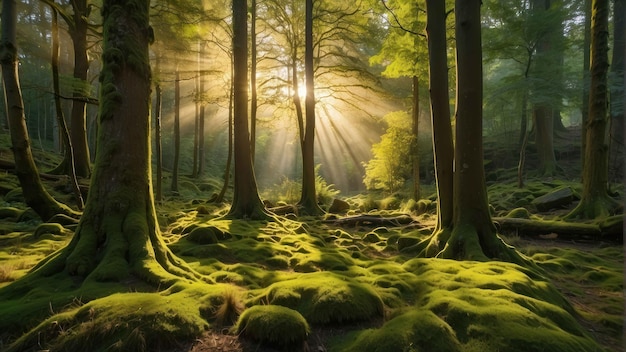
118,236
595,201
308,199
253,85
246,201
157,140
35,194
440,109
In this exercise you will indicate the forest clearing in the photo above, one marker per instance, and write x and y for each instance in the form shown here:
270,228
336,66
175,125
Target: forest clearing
192,176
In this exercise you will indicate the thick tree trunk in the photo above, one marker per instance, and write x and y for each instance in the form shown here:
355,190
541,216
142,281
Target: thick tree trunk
118,236
308,199
584,110
595,201
34,193
440,109
246,201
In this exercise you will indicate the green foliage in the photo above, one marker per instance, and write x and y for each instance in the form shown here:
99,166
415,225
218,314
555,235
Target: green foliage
391,164
274,325
289,191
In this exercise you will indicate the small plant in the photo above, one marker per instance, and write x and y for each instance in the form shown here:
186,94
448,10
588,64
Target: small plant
229,310
6,273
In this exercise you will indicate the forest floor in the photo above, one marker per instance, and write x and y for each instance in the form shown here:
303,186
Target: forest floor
354,284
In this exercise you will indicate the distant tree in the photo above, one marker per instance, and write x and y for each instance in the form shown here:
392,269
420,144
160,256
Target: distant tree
34,192
471,234
246,200
616,83
176,133
390,165
595,201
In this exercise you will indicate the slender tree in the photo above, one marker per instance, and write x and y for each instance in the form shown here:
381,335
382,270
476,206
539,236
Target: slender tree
616,83
246,201
308,199
34,192
176,166
595,201
440,109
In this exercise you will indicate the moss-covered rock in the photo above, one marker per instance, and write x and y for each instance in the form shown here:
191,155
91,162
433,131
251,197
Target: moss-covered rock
274,325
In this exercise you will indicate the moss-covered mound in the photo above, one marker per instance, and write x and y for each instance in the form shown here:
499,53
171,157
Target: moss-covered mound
326,297
274,325
417,330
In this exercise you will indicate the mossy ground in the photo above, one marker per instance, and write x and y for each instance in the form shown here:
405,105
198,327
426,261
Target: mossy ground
352,286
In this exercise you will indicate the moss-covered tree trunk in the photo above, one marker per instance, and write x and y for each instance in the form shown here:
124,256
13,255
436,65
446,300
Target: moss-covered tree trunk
415,156
246,201
440,108
34,192
595,201
308,199
471,234
118,235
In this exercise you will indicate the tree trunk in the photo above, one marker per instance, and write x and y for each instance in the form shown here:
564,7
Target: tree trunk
253,85
78,124
472,235
595,201
201,118
118,236
35,194
196,127
246,201
617,92
584,110
157,139
440,109
544,139
308,199
174,185
69,150
229,158
415,131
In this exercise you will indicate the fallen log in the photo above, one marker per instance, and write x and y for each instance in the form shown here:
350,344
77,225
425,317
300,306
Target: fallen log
373,220
605,231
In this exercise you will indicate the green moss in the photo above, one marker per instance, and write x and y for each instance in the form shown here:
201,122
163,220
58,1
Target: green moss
274,325
119,322
415,331
326,297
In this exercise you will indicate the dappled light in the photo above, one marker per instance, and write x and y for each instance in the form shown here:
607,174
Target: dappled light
313,175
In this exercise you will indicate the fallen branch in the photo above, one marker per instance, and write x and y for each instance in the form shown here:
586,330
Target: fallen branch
373,220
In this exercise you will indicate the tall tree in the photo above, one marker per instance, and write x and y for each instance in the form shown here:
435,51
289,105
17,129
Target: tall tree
34,192
246,201
176,165
308,199
472,234
118,236
595,201
443,147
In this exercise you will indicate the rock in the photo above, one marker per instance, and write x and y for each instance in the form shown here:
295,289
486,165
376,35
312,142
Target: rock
559,198
339,206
